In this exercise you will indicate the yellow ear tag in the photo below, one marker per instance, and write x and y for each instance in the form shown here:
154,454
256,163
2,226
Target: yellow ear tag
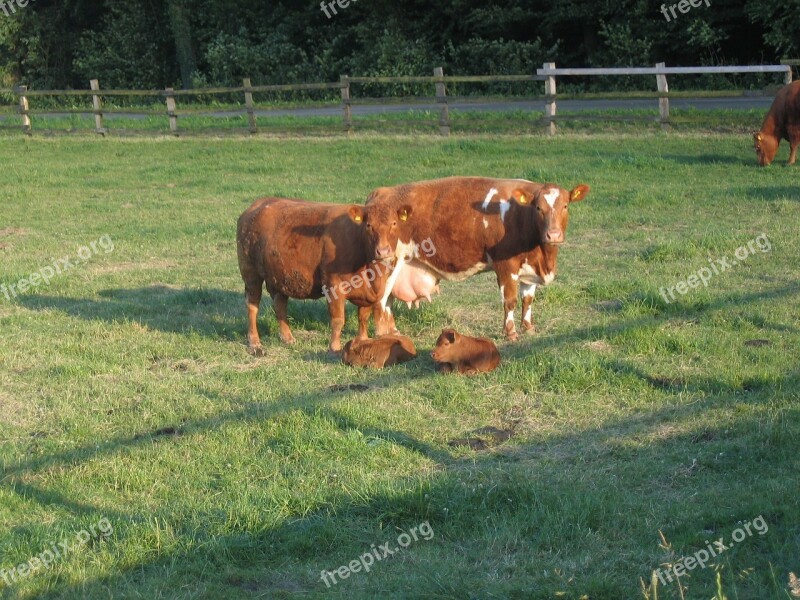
577,195
759,137
404,216
357,218
522,199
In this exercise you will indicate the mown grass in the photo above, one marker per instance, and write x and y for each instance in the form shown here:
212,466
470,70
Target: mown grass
127,393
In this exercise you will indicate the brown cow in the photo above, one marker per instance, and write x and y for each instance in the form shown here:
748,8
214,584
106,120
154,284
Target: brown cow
308,250
476,224
782,122
385,351
464,354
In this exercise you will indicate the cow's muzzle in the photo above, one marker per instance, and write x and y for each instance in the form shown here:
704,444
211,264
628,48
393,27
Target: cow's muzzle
554,237
384,252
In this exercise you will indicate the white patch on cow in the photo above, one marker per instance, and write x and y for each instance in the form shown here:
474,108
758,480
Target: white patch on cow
527,317
515,277
502,293
492,193
510,317
548,278
529,291
401,252
485,223
504,206
474,270
529,276
552,196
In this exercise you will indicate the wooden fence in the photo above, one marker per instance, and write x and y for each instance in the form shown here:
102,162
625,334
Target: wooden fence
547,74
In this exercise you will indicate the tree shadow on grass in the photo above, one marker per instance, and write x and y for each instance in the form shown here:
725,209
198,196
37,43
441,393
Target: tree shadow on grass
555,514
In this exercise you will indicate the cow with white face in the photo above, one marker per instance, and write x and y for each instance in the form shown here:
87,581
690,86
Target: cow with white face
473,225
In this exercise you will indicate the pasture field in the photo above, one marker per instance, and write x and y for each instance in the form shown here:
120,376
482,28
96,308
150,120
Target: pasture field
631,432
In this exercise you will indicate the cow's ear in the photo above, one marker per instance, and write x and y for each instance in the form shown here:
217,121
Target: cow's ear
356,214
404,213
449,335
579,193
521,197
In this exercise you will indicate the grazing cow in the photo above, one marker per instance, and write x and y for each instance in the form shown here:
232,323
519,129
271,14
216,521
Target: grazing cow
464,354
476,224
307,250
782,122
385,351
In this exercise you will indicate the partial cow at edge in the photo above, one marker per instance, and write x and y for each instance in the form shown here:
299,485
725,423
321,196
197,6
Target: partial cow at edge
781,123
476,224
308,250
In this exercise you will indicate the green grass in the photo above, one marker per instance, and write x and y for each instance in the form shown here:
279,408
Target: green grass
127,392
417,121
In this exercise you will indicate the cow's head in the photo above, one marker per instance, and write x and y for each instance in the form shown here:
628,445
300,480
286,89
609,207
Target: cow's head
766,147
551,209
381,226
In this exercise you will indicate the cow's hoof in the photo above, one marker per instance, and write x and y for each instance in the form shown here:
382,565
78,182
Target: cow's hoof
512,337
256,351
288,339
529,328
334,353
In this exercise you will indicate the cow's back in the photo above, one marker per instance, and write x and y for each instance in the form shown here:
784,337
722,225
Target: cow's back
464,217
283,241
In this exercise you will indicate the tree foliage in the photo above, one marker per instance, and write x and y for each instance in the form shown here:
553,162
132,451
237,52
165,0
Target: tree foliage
153,44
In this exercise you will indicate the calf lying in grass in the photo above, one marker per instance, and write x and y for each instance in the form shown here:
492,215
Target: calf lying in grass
464,354
384,351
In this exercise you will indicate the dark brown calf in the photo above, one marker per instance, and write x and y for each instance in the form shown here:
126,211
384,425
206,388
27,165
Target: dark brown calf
308,250
782,122
464,354
385,351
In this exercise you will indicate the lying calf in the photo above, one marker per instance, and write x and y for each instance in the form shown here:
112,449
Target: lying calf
464,354
384,351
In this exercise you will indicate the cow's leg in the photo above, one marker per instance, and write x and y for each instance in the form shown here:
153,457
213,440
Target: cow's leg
281,303
363,322
336,311
509,289
252,291
793,152
384,319
528,296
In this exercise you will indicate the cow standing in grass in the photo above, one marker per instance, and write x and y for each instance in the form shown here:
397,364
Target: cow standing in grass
781,123
477,224
308,250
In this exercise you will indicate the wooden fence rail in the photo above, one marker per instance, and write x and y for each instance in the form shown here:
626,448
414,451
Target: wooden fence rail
547,74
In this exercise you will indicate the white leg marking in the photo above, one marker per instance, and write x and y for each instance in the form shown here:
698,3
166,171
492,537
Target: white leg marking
529,291
503,294
510,317
527,317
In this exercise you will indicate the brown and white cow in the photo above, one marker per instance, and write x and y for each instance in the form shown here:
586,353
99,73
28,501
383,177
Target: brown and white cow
782,122
307,250
476,224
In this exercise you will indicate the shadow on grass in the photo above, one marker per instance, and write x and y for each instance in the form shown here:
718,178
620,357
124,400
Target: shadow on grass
709,159
556,509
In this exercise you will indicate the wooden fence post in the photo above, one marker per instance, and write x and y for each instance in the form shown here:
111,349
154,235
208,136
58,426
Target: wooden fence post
550,99
23,108
441,98
173,117
663,102
348,114
98,108
248,101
